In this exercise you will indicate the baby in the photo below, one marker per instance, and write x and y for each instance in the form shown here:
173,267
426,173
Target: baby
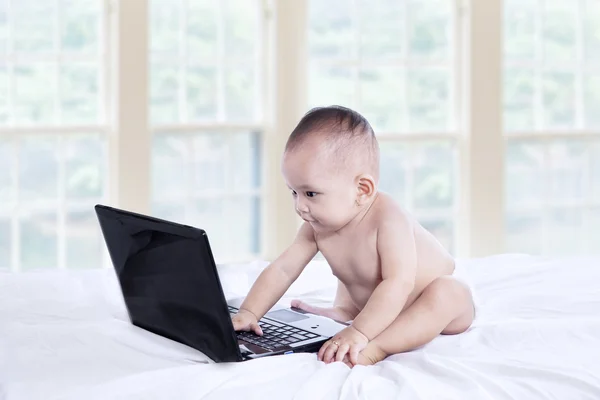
395,280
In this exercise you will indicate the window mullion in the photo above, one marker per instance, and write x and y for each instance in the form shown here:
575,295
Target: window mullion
482,147
130,143
289,90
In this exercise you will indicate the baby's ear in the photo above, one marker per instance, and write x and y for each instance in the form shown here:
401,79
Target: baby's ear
365,185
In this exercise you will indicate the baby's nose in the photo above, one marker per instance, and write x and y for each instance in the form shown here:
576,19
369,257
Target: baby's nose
301,207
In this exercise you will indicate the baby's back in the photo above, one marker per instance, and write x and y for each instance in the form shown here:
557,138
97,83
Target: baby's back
355,261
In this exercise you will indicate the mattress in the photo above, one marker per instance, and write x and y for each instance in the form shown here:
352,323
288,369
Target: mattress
66,335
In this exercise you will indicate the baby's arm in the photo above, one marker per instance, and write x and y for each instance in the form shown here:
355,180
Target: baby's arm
397,251
273,282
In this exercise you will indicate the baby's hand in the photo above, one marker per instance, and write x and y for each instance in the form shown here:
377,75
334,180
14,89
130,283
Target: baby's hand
347,342
246,321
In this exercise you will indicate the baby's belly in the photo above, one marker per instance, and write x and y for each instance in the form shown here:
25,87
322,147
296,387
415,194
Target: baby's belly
360,294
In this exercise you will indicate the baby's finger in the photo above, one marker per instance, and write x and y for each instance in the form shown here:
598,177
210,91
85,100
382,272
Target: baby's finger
342,351
322,351
354,354
330,353
256,328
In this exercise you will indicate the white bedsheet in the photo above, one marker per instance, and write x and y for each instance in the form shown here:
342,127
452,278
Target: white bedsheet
65,335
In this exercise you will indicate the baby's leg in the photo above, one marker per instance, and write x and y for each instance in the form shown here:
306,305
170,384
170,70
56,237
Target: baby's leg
343,309
445,306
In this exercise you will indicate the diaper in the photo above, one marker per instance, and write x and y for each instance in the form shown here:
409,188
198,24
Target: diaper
462,274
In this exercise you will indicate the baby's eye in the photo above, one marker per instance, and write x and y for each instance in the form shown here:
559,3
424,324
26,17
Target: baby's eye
294,193
310,194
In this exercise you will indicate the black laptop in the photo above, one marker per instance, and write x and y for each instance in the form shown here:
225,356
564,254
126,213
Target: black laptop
171,287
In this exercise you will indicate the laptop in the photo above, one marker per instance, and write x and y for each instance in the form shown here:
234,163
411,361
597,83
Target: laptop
171,287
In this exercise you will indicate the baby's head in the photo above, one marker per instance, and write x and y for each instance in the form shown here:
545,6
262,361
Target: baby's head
331,164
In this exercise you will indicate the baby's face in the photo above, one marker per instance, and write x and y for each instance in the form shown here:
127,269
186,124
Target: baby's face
323,196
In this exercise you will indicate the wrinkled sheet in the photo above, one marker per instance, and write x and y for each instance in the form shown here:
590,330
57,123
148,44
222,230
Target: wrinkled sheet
65,335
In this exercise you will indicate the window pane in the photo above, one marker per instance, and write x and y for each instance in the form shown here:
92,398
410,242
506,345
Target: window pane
519,29
382,98
591,100
5,243
429,24
244,214
518,99
85,167
34,93
201,89
434,176
33,25
7,165
164,26
38,169
559,31
524,233
331,33
567,170
80,23
209,164
164,94
591,31
3,27
559,100
170,170
83,241
79,94
595,170
593,236
524,174
240,99
245,150
4,89
565,232
209,214
241,27
39,241
394,164
331,85
201,30
382,29
209,74
428,99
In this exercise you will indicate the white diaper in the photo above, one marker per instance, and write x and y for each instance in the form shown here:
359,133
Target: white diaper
462,274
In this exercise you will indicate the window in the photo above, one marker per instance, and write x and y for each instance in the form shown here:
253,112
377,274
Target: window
52,133
181,108
394,62
551,108
206,112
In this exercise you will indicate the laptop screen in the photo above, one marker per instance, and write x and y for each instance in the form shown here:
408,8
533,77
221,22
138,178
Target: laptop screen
169,281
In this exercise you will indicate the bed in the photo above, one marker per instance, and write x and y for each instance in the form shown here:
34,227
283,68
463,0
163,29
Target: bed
65,335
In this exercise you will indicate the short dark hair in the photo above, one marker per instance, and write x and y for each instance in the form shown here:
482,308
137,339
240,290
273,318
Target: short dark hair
331,121
345,128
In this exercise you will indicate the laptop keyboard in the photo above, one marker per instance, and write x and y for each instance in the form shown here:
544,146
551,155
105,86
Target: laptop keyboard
275,334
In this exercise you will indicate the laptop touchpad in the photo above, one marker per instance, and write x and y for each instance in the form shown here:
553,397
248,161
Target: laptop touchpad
286,316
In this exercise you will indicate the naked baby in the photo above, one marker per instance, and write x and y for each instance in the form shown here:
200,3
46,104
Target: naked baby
395,280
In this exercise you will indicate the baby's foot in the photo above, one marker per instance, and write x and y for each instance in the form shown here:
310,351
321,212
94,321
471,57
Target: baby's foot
328,312
371,355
